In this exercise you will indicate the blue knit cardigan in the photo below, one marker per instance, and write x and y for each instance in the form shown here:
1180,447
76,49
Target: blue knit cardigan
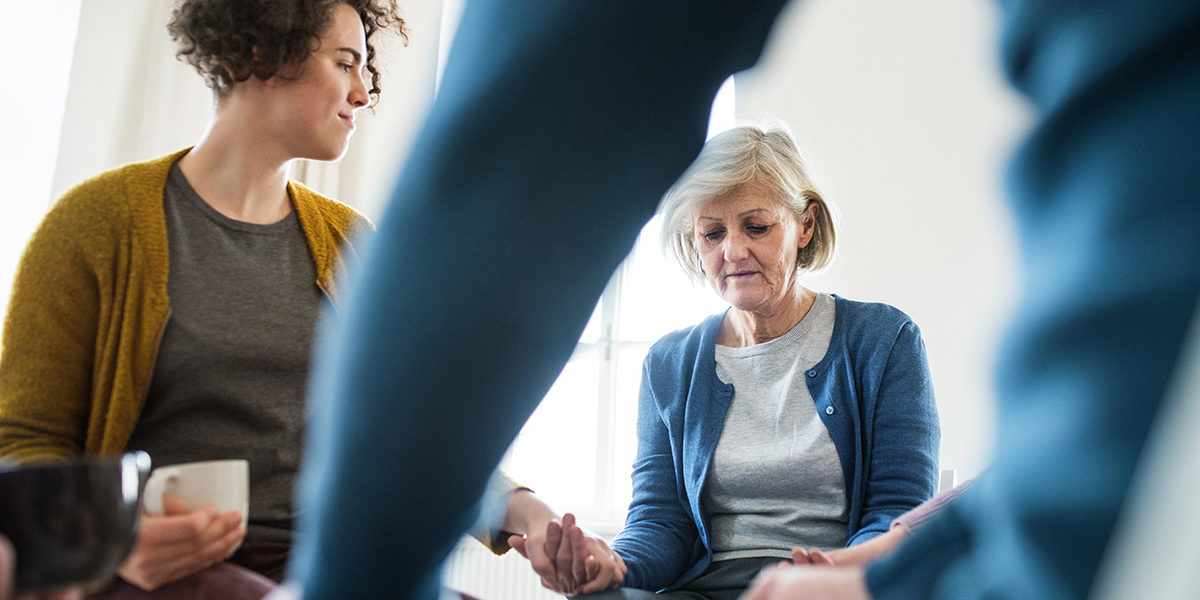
872,391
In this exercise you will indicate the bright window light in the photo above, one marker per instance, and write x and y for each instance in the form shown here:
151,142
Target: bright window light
33,95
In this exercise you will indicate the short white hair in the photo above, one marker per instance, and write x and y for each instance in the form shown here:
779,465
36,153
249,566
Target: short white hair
748,154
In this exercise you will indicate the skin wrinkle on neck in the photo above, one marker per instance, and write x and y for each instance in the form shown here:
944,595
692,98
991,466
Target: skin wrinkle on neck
741,328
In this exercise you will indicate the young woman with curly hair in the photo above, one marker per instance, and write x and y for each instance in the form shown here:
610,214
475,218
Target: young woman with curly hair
170,305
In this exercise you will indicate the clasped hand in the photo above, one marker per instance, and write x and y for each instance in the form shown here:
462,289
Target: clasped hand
570,560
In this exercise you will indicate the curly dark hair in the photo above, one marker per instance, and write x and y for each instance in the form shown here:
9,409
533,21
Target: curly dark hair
220,37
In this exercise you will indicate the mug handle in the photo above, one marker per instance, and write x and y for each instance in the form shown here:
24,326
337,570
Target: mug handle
155,488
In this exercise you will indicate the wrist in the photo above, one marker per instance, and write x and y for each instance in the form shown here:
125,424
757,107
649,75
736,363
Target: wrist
526,513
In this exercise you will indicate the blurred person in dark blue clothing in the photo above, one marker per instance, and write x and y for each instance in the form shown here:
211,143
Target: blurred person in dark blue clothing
558,126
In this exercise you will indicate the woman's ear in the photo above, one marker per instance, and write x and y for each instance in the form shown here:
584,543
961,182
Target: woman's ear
255,59
809,225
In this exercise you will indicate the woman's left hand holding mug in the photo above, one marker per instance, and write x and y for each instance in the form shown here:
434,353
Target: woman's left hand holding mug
179,543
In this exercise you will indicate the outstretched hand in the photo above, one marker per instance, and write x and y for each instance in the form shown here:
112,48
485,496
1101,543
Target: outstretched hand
813,556
803,582
569,559
858,554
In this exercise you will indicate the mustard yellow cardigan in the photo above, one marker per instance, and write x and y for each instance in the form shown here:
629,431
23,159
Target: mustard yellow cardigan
89,305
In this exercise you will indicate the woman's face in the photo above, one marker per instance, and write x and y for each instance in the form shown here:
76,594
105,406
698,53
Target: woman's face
316,105
748,242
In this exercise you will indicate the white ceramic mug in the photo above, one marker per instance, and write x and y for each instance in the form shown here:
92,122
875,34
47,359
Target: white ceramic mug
224,484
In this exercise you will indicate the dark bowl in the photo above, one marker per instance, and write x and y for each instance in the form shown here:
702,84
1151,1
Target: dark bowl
71,522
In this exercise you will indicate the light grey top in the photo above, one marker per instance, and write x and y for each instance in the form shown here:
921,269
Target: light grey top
230,377
775,481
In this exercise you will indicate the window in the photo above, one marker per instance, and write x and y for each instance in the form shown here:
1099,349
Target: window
577,449
33,94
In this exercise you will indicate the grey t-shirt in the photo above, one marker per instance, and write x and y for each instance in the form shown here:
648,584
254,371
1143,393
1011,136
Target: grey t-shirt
232,368
775,481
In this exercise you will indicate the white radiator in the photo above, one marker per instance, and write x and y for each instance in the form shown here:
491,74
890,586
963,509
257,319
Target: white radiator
473,569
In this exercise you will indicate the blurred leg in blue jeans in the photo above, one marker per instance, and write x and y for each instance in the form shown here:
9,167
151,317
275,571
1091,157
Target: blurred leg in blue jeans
557,127
559,124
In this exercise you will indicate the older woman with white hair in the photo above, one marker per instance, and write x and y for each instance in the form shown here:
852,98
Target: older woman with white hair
795,418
